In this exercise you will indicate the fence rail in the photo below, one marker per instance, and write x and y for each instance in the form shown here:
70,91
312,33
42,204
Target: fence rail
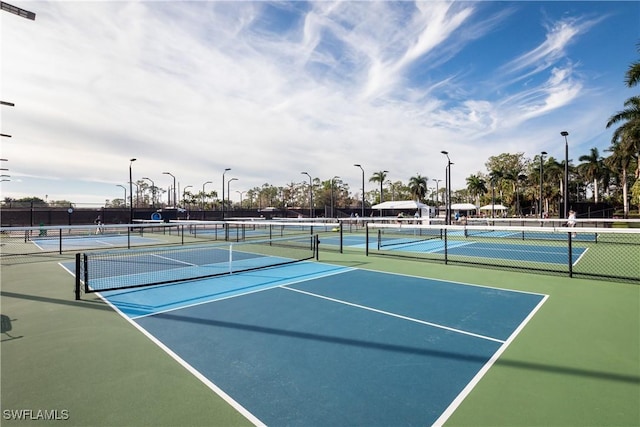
591,252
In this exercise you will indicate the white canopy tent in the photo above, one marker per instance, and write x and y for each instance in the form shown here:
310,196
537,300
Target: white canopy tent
495,208
400,204
463,207
426,211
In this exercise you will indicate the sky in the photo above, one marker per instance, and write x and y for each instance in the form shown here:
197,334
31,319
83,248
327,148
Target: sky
273,89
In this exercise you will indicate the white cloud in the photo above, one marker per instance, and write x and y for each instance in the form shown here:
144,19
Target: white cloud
195,87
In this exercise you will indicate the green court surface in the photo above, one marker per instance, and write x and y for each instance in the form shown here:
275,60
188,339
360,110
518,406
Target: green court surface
576,363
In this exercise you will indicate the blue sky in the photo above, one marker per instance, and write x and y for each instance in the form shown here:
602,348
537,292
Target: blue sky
271,89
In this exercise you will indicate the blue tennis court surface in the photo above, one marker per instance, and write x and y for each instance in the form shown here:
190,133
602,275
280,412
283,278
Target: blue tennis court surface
90,242
317,345
470,247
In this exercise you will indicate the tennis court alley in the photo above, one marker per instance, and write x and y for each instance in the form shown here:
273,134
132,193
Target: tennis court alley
285,331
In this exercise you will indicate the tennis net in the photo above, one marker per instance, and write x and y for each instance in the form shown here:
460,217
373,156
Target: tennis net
123,269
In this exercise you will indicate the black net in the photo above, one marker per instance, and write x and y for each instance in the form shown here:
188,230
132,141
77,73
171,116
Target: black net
103,271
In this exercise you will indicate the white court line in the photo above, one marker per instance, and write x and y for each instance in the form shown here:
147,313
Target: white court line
175,260
231,401
387,313
580,257
266,288
102,242
476,379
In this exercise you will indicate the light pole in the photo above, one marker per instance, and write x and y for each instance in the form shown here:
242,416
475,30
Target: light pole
208,182
225,171
125,194
130,193
565,189
240,193
448,184
542,154
362,169
332,199
381,181
437,181
184,195
153,192
228,190
310,194
174,188
137,194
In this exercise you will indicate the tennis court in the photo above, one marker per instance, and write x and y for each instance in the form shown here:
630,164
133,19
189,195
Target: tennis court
498,250
285,344
272,335
72,243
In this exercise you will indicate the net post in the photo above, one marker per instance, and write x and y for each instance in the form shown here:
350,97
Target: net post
316,240
230,258
570,250
60,241
366,239
128,237
77,287
86,272
341,236
379,238
446,255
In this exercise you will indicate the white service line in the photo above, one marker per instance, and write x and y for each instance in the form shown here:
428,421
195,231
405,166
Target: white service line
435,325
174,260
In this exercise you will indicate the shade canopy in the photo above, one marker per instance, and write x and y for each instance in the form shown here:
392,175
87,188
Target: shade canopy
463,207
495,208
399,204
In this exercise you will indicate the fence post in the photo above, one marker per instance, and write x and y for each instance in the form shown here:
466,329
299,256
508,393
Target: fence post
77,290
366,239
570,255
446,256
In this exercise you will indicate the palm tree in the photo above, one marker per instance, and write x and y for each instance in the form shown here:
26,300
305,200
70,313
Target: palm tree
418,186
494,177
626,138
477,186
592,169
514,175
379,177
620,161
632,76
629,131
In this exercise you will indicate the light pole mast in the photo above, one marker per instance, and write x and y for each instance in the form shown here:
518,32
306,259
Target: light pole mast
565,189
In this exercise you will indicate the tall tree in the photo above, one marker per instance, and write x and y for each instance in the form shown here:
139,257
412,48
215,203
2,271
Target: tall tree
592,169
626,138
379,177
477,186
418,187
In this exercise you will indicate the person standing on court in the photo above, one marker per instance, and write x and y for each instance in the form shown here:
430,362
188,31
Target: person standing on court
98,222
571,221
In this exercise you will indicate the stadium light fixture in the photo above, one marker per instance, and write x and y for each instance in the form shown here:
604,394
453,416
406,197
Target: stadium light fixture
225,171
565,189
17,11
174,187
448,184
125,193
203,185
542,154
310,194
229,190
131,192
362,169
381,195
153,192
